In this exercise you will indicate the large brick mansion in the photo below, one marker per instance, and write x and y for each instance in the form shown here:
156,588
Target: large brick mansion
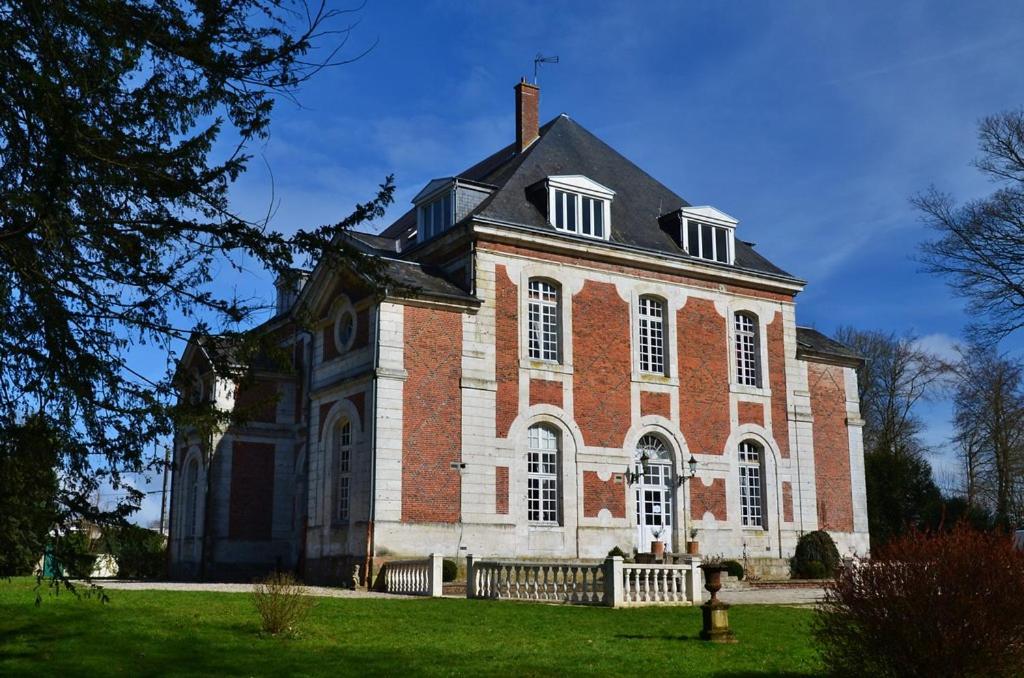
565,339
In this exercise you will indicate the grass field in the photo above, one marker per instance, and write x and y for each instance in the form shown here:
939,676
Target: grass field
191,633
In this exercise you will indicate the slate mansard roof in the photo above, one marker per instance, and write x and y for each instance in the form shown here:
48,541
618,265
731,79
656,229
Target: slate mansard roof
566,148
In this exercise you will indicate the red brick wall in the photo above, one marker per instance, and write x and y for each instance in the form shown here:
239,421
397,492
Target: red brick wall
506,368
655,402
257,401
501,489
432,421
250,510
330,349
751,413
362,338
603,494
831,447
602,370
324,409
358,401
703,376
787,501
709,499
777,380
544,391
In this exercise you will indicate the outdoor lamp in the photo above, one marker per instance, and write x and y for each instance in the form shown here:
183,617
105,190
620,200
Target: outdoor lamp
635,476
692,466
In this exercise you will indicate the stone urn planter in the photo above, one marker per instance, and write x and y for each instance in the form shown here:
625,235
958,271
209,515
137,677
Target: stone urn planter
658,549
715,613
713,579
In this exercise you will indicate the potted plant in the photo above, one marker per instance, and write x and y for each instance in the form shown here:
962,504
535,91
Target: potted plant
713,567
658,546
693,546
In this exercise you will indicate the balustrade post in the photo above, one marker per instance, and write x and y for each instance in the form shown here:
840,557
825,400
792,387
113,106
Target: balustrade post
694,586
435,576
470,578
613,596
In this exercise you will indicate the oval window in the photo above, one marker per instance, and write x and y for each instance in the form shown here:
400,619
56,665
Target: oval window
345,330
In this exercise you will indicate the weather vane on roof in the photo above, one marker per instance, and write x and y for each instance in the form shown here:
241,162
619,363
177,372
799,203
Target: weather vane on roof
541,59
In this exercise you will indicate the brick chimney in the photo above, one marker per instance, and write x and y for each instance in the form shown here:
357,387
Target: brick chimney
527,114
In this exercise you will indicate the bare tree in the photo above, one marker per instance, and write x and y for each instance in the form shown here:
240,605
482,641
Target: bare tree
989,418
980,245
896,376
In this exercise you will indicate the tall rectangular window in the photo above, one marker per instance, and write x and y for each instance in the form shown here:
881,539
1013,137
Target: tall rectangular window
748,368
343,461
542,476
651,330
543,321
436,216
751,496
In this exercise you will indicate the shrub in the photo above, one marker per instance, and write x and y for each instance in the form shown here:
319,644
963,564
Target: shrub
139,552
282,603
449,570
815,547
616,551
947,604
734,568
814,570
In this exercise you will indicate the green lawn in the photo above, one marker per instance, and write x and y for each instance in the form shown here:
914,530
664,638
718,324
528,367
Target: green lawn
186,633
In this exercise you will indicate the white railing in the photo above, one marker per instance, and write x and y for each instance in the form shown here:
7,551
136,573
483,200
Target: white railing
414,577
612,583
546,582
661,584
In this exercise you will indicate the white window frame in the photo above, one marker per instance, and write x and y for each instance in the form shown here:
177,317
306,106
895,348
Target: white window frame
543,320
716,219
585,195
651,334
426,223
750,457
343,438
747,349
543,475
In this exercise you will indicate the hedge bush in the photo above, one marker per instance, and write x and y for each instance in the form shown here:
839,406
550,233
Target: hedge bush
946,604
734,568
815,547
616,551
449,570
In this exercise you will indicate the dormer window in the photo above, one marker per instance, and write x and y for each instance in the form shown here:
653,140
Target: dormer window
579,205
436,216
707,241
703,232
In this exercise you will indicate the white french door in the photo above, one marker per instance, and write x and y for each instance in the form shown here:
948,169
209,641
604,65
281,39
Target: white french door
654,506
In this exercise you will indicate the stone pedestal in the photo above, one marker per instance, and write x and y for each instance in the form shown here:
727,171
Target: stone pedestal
716,623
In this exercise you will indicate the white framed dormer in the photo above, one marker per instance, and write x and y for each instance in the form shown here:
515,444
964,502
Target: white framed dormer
580,205
435,209
709,233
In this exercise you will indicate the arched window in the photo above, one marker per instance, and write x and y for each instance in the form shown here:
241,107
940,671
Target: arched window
748,354
542,475
651,332
343,469
751,485
191,497
543,316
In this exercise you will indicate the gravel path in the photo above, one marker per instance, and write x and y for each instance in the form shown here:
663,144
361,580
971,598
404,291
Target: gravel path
749,596
321,591
780,596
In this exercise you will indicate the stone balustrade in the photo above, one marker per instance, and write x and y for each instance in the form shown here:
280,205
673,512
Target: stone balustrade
612,583
414,577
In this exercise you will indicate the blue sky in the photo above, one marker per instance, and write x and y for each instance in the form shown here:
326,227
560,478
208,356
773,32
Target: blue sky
813,123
